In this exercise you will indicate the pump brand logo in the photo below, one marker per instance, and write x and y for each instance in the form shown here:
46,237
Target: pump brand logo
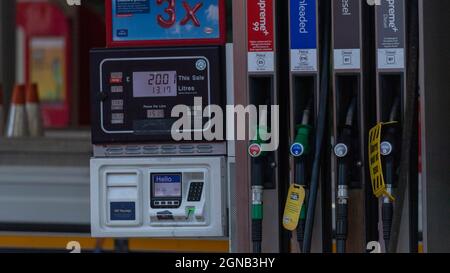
390,17
241,122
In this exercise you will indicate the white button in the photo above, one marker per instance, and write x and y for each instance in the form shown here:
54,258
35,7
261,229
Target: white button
117,89
117,105
117,118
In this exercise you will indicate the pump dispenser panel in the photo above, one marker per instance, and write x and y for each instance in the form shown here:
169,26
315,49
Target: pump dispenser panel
136,90
158,197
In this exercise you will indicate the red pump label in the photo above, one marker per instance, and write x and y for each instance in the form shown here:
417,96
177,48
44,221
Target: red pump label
261,44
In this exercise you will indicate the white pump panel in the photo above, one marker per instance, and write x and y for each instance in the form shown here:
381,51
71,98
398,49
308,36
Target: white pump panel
158,197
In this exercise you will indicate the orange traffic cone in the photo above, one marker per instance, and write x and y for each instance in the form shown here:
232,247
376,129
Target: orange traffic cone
17,121
33,108
2,112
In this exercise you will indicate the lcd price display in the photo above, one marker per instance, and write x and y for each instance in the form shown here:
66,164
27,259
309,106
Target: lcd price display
155,84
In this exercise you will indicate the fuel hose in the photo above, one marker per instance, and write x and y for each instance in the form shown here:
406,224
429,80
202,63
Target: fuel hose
408,124
321,124
257,189
388,150
300,150
343,152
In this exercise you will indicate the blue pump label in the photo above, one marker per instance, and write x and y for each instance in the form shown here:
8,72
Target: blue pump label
303,30
122,211
297,149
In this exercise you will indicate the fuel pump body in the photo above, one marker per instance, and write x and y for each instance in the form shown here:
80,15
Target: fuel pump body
144,184
304,92
352,22
158,197
126,109
261,89
391,75
153,172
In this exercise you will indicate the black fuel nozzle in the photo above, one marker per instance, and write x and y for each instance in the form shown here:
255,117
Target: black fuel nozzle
388,151
343,153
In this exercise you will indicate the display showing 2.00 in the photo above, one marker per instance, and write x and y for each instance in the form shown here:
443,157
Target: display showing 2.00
155,84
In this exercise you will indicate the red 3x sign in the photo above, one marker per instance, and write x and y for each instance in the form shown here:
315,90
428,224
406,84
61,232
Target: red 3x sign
170,11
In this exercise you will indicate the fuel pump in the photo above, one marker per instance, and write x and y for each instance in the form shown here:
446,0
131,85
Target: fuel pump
262,76
307,82
153,172
345,154
396,103
353,107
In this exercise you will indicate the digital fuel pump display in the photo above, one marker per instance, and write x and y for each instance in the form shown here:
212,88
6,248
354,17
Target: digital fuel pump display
133,91
166,185
155,84
166,190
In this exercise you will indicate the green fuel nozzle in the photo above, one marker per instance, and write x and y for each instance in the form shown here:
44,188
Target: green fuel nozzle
301,145
299,149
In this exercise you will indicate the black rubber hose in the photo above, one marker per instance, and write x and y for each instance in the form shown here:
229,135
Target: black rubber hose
257,235
257,180
389,174
346,137
409,125
300,179
342,211
341,227
300,172
387,212
321,124
301,232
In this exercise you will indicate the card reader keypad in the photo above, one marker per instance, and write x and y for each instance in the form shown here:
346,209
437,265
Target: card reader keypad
195,191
